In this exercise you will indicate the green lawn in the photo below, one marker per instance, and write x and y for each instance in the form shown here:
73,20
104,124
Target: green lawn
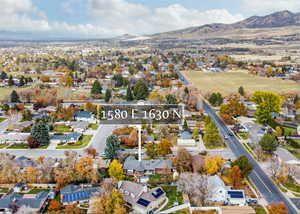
37,190
94,126
83,142
287,131
3,146
4,190
228,82
292,186
18,146
62,128
25,146
172,195
243,135
2,119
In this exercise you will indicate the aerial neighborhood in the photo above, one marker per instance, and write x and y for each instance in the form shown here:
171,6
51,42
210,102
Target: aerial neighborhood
236,149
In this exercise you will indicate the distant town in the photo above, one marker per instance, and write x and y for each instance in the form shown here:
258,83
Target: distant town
236,150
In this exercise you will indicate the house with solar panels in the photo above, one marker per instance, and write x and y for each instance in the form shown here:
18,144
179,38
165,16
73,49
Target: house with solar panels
220,193
77,194
142,199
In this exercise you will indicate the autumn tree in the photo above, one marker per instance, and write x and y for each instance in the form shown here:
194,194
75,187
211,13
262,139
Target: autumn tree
132,139
164,147
277,208
268,102
84,169
183,161
235,176
73,209
279,131
54,205
32,142
91,151
212,137
244,165
116,170
213,164
151,150
233,108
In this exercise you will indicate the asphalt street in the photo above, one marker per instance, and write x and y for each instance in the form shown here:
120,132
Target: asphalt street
263,183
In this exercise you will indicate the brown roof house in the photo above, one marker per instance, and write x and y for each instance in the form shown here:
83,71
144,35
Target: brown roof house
142,199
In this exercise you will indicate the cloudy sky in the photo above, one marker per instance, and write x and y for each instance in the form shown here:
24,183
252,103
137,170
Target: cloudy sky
105,18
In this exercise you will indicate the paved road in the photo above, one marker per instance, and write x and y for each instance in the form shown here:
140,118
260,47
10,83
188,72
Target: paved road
263,183
10,121
98,142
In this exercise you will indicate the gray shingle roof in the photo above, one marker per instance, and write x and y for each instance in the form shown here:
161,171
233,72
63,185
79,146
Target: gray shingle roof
133,164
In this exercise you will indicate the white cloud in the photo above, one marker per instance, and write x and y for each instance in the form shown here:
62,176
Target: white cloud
136,18
267,6
109,18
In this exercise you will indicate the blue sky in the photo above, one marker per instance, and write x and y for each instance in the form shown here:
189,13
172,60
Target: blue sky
105,18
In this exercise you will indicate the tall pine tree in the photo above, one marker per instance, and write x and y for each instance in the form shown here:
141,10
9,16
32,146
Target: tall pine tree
129,96
40,131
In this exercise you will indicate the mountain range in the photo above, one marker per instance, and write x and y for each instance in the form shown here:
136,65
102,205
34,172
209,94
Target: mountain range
274,21
254,26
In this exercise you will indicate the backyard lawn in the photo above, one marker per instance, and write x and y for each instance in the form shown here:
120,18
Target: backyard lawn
83,142
229,82
172,195
37,190
62,128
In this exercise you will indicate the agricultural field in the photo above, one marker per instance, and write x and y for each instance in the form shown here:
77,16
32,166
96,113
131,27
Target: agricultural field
229,82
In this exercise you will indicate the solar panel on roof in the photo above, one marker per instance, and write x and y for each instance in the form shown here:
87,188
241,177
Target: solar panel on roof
236,194
158,193
143,202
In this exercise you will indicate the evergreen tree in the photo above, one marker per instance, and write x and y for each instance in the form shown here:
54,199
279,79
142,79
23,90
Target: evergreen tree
40,131
185,126
244,165
96,88
107,95
119,80
3,75
129,96
171,99
11,81
14,97
112,146
241,91
22,81
140,90
268,143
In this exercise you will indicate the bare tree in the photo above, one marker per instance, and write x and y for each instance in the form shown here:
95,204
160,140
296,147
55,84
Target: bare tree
25,210
274,167
195,186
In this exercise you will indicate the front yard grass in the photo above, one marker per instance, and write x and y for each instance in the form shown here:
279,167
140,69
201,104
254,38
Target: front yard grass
83,142
2,119
2,146
93,126
172,195
62,128
292,186
37,190
243,135
25,146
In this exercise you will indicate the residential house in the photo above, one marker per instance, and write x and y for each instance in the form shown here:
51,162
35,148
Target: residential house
24,162
68,138
79,126
186,139
77,194
13,138
140,198
85,116
147,167
219,192
37,202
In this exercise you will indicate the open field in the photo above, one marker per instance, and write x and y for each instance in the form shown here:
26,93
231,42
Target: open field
229,82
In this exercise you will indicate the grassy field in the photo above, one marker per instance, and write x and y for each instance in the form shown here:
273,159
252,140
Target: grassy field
229,82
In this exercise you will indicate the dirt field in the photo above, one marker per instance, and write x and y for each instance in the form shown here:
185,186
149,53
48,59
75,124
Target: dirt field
229,82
